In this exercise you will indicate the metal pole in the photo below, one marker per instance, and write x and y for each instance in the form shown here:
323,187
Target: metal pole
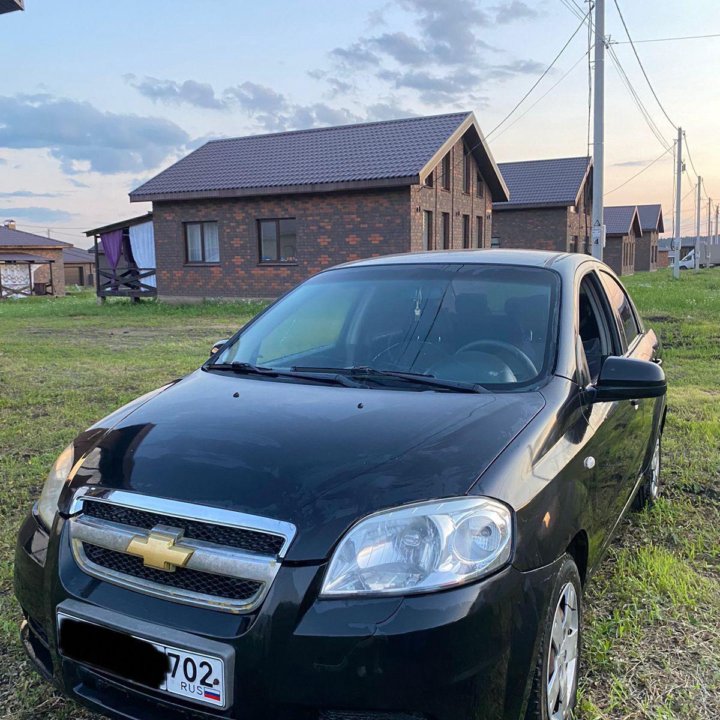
678,206
598,220
698,210
717,213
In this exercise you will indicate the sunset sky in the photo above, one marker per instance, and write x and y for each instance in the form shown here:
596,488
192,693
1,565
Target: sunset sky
96,97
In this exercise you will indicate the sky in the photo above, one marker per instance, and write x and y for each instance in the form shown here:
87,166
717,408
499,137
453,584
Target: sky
98,96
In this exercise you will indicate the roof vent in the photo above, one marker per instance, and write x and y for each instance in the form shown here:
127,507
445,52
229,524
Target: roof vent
9,224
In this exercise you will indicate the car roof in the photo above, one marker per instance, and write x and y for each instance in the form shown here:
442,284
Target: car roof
534,258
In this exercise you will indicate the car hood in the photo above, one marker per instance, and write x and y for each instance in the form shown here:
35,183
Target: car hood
319,457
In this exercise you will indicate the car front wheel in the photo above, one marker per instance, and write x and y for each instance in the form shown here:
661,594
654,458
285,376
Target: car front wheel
649,489
556,671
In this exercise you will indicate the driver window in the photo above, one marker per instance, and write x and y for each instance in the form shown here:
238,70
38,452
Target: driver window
592,328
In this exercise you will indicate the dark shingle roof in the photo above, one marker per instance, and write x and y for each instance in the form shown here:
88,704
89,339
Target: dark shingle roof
394,151
548,183
619,219
14,238
651,218
77,255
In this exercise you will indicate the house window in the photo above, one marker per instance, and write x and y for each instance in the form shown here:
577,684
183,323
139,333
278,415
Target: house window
430,180
479,186
427,230
446,231
278,240
495,242
446,172
466,231
467,169
201,242
479,231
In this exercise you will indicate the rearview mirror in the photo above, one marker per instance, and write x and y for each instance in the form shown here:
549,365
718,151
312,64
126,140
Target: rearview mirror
628,379
218,346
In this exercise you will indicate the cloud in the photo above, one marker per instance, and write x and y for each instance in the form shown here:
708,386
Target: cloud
189,92
270,109
28,194
444,57
257,99
36,214
77,183
405,49
355,57
82,137
631,163
514,10
3,161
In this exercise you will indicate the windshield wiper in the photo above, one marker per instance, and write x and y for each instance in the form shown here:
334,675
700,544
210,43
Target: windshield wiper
368,373
244,368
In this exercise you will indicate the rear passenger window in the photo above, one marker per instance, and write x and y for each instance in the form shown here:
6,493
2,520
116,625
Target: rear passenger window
622,308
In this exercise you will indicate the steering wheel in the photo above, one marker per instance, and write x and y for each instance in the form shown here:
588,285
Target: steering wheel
421,355
524,362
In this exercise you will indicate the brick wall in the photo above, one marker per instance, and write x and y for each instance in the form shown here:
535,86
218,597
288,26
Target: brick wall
455,202
646,251
620,253
331,228
532,229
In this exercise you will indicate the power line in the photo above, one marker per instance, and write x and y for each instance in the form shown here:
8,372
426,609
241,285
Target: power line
538,81
668,39
542,97
642,67
637,174
638,101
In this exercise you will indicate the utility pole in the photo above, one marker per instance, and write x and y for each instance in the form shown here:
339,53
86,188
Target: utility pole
717,216
698,210
598,219
678,206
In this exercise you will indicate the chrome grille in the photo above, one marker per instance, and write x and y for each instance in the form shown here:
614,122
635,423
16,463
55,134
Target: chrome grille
249,540
229,559
193,580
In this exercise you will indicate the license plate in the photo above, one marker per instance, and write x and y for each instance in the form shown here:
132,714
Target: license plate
177,671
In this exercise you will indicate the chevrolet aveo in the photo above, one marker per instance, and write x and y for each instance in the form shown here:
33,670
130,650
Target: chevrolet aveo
381,499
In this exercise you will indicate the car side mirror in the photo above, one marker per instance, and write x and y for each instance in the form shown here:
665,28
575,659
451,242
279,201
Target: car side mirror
624,378
218,346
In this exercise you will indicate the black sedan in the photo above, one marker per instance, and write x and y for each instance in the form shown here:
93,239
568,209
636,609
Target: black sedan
381,499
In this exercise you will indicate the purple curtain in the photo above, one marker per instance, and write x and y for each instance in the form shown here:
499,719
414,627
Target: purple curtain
112,247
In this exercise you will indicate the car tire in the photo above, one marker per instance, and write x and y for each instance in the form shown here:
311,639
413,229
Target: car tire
649,489
555,676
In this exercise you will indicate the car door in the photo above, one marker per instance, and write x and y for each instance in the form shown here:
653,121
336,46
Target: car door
629,421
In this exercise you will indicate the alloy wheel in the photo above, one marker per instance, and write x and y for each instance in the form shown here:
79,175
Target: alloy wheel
562,665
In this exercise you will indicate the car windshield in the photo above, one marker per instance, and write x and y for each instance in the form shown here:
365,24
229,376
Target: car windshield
490,325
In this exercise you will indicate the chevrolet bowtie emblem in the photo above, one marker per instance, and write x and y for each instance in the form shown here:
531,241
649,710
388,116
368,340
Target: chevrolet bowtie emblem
160,549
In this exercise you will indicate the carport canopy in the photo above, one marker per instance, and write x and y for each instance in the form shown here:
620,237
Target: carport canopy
29,260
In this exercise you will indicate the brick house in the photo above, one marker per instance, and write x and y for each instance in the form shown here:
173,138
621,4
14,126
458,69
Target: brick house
253,216
79,267
550,206
646,247
25,257
622,230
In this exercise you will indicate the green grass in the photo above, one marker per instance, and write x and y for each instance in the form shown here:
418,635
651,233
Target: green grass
652,642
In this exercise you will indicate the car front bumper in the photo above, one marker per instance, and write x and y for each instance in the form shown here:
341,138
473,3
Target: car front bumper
465,653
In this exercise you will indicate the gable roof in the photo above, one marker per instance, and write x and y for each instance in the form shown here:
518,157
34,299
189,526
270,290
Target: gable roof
391,153
77,255
651,218
17,238
544,183
620,219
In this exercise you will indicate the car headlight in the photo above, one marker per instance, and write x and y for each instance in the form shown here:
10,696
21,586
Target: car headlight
421,547
48,504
